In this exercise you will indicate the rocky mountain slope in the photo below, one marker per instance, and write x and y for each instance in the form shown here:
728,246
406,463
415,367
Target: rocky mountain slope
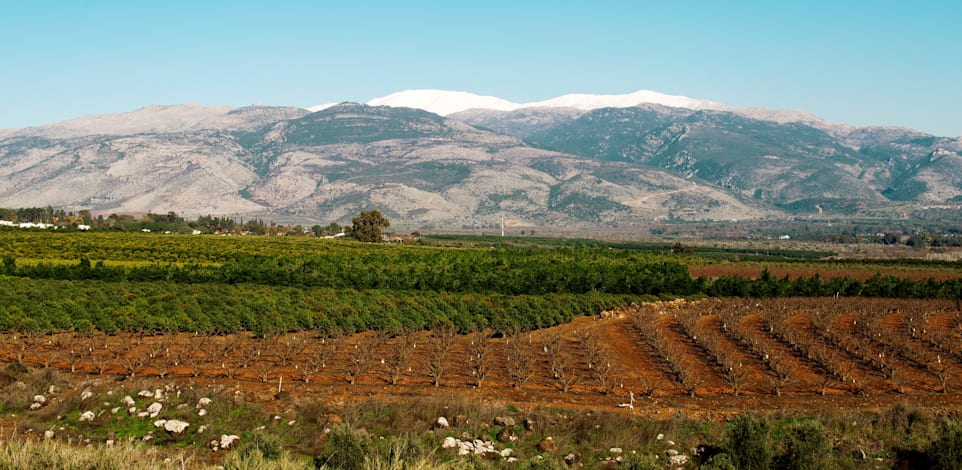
563,163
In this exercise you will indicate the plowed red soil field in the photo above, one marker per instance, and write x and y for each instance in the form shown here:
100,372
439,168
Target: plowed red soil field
783,354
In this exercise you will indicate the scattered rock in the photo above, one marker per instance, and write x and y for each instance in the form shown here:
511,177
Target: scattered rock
201,412
442,422
203,402
507,435
35,406
87,416
507,452
39,399
48,434
449,443
670,443
115,410
529,423
659,437
154,409
129,401
173,426
615,450
145,394
608,465
671,452
678,460
228,440
505,421
547,445
859,454
201,429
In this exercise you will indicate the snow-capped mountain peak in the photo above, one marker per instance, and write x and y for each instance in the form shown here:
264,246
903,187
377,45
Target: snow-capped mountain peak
449,102
442,102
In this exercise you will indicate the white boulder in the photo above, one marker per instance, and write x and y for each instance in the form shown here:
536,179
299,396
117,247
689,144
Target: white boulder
227,440
154,409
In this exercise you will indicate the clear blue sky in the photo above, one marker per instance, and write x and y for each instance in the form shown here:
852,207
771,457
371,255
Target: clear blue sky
860,62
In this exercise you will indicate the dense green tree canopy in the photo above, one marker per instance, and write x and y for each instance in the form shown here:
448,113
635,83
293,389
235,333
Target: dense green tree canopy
368,226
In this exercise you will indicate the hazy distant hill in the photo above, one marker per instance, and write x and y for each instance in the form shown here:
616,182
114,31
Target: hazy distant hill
534,165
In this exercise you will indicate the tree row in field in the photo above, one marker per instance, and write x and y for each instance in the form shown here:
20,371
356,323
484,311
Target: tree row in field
510,272
513,272
153,307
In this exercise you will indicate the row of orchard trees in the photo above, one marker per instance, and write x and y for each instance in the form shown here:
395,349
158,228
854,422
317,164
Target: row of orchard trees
511,272
37,305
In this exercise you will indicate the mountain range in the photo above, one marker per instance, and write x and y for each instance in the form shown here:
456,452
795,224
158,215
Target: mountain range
439,159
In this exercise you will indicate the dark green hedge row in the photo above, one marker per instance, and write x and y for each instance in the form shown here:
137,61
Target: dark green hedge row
767,285
154,307
511,272
508,272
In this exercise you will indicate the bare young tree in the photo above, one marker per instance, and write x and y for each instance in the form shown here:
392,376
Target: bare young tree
735,373
479,349
162,359
689,379
398,358
360,353
782,372
520,360
441,339
289,348
319,353
554,350
597,357
195,360
940,369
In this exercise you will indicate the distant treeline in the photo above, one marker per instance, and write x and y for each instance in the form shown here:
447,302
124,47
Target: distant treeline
169,222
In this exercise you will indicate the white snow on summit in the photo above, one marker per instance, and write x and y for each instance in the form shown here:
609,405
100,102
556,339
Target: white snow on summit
449,102
442,102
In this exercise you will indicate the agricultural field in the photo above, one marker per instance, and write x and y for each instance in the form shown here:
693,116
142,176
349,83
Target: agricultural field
302,343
